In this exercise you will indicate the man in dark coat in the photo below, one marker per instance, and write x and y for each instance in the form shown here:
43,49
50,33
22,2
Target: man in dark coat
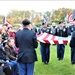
26,41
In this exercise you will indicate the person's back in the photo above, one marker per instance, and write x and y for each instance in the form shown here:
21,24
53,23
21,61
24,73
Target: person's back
26,45
26,41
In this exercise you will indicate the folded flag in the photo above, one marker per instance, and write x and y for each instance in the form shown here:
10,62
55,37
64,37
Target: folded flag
51,39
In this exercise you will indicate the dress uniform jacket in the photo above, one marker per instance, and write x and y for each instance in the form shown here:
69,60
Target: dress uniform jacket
62,31
44,30
72,45
72,28
26,41
72,42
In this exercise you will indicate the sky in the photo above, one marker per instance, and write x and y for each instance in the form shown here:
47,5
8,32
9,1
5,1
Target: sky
39,6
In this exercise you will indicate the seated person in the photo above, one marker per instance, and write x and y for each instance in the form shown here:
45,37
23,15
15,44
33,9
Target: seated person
9,49
3,59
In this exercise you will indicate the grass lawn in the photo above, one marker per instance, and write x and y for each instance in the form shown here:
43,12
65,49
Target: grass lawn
55,67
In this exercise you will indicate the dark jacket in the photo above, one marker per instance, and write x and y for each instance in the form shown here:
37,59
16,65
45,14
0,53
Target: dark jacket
72,42
72,28
10,52
44,30
62,31
3,55
26,41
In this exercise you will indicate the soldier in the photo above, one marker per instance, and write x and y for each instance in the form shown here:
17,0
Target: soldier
61,31
34,28
72,45
44,47
72,42
53,28
72,27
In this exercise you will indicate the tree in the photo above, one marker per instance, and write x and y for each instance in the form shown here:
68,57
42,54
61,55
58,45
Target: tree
27,14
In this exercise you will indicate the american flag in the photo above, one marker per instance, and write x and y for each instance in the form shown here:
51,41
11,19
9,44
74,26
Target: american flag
70,18
51,39
6,22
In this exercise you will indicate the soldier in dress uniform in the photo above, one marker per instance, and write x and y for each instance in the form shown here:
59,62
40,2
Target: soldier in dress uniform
72,41
34,28
72,45
44,47
61,31
72,27
53,28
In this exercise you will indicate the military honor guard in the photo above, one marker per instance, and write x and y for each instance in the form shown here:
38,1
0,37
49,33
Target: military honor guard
72,41
72,45
44,47
61,31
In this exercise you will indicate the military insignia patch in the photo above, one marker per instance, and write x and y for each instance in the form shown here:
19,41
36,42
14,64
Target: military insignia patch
64,29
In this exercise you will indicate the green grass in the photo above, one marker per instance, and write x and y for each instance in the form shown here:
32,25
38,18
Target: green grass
55,67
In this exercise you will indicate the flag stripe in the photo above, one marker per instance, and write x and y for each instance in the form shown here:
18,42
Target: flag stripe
51,39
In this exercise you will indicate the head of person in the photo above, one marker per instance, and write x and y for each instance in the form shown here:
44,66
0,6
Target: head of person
33,24
60,24
26,23
44,24
64,24
10,29
53,24
10,42
5,27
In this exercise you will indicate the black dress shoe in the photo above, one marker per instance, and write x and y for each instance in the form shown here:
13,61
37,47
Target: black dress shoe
47,62
60,59
73,63
44,62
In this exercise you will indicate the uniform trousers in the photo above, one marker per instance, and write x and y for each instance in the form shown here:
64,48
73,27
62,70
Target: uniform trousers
60,51
26,69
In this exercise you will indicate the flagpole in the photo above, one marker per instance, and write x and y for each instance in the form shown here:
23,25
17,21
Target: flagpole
5,19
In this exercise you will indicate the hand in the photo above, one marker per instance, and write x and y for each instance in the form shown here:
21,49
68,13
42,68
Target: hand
2,64
7,60
16,58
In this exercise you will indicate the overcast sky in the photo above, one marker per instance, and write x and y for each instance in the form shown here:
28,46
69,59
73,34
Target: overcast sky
40,6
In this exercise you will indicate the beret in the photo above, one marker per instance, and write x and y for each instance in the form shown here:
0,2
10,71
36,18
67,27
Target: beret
43,23
60,22
26,22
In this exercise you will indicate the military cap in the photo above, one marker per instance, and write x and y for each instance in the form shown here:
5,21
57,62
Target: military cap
73,19
60,22
43,23
26,22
